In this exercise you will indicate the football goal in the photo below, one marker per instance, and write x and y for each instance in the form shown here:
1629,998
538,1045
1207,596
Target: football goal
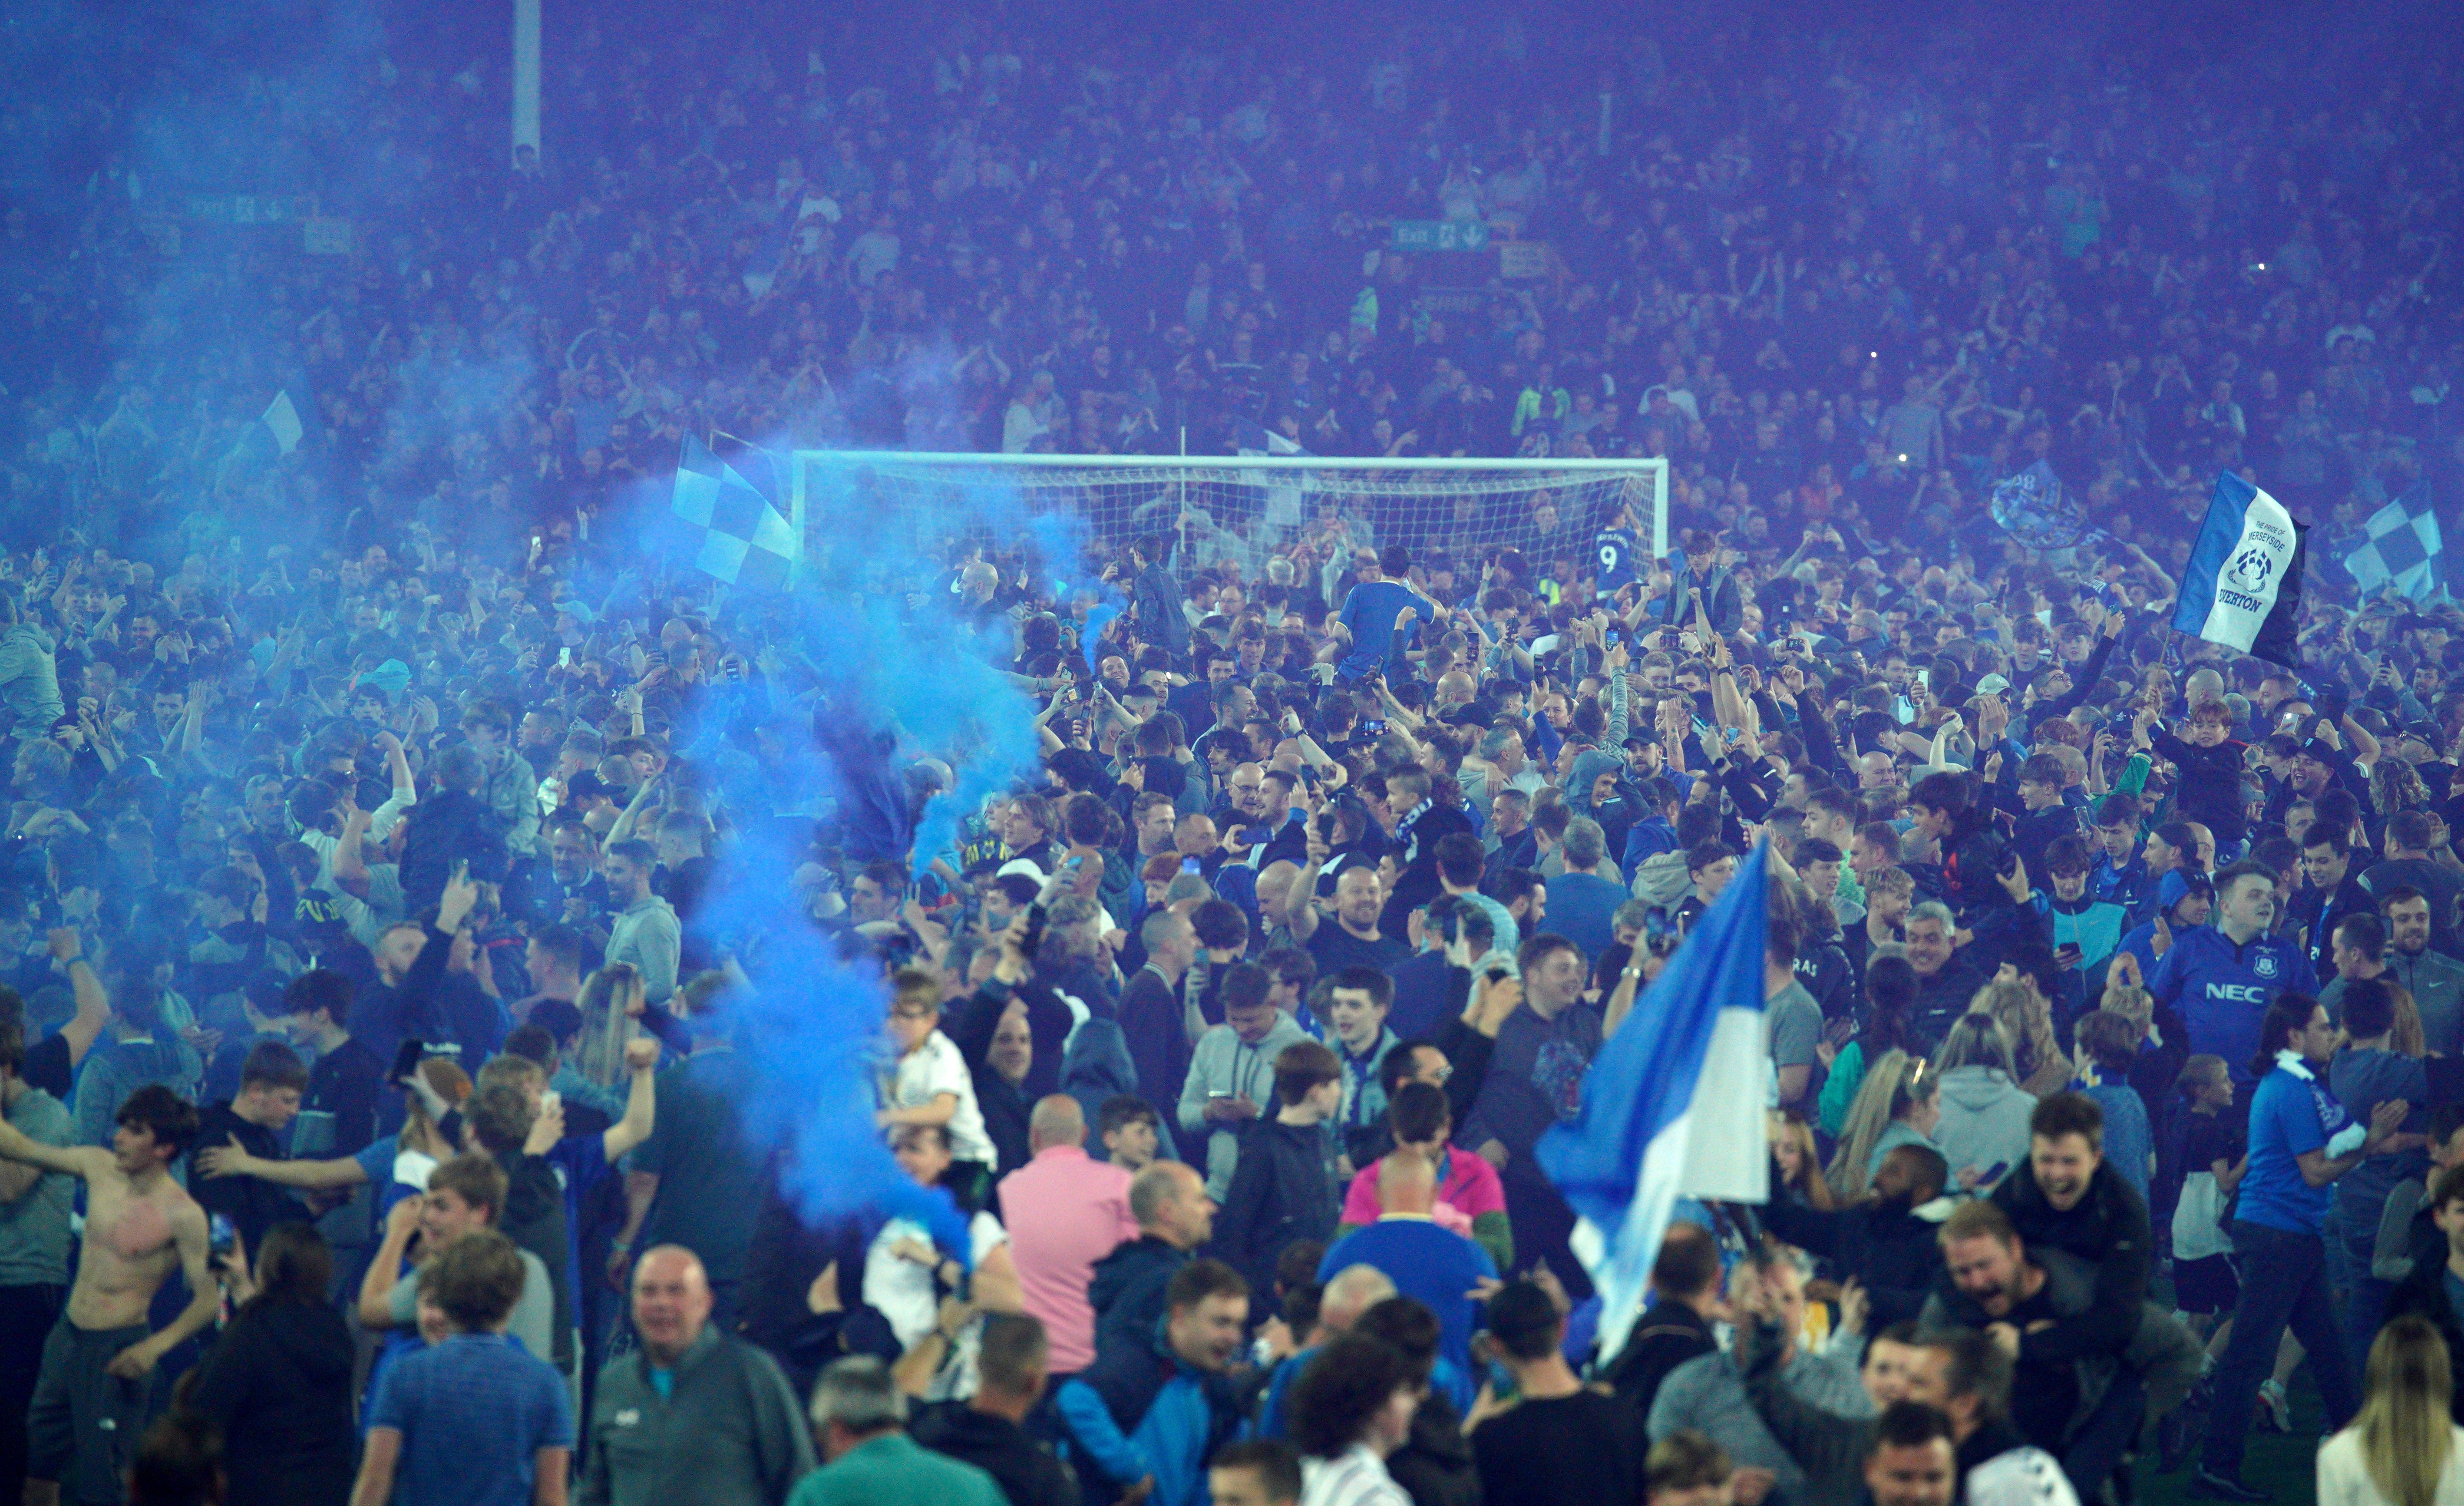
1225,508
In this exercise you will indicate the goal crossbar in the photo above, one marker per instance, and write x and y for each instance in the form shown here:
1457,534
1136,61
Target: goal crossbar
1413,477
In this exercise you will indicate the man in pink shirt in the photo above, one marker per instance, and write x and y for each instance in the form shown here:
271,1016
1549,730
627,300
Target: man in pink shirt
1063,1212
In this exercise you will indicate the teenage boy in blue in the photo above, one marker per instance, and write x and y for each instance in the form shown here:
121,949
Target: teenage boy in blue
2121,871
1372,608
2222,977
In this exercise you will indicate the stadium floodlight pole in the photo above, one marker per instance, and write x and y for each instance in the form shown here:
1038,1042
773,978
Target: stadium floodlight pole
1424,496
526,78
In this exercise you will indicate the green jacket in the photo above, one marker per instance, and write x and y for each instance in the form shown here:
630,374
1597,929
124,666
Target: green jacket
729,1434
891,1470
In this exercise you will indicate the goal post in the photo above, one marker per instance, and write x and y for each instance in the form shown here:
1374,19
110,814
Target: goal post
1237,508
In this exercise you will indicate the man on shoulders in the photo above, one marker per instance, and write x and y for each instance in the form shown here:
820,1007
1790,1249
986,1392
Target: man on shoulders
1433,1265
2077,1393
91,1394
2065,1197
695,1417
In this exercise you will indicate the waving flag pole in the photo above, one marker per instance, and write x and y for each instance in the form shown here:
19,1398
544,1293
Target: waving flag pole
1673,1105
2243,585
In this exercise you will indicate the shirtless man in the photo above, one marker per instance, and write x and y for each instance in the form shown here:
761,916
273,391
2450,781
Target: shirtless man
90,1401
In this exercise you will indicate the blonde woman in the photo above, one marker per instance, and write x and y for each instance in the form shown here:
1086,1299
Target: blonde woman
2396,785
2038,1063
2402,1449
1799,1164
612,1000
1896,1105
2406,1038
1983,1131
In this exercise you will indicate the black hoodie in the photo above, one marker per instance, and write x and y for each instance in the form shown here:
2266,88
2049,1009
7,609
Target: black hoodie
278,1385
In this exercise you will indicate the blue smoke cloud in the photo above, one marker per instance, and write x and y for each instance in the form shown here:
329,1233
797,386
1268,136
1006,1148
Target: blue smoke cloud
883,659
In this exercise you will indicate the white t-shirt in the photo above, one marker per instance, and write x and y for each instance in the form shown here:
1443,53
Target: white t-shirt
936,1067
903,1294
2020,1477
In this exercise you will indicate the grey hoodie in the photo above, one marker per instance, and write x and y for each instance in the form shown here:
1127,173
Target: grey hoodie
30,677
1983,1121
1662,882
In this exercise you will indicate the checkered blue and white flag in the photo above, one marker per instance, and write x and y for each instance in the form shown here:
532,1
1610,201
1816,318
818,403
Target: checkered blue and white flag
2403,550
744,541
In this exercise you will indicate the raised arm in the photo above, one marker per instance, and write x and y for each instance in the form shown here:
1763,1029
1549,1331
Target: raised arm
641,1100
217,1162
376,1287
350,860
93,1004
77,1160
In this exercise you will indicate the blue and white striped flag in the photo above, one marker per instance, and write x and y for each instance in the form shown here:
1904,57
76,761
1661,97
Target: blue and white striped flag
2243,585
1673,1105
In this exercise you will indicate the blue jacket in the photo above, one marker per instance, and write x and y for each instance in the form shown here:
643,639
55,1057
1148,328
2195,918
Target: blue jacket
1141,1410
2125,886
1157,596
1646,839
2223,990
1369,614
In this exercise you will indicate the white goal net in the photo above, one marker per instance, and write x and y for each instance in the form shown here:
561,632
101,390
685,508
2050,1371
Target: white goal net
1236,510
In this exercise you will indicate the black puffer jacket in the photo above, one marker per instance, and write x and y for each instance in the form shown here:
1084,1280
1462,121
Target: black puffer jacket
1893,1250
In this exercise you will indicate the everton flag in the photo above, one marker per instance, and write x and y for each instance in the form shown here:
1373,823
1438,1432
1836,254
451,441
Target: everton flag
2243,585
1673,1105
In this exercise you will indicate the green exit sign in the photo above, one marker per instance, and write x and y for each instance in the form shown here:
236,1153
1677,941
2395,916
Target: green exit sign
1440,234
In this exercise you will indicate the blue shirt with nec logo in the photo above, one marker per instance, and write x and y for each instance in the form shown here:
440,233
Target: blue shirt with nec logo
2222,990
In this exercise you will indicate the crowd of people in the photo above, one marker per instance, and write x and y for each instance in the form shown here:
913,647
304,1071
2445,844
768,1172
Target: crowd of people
398,850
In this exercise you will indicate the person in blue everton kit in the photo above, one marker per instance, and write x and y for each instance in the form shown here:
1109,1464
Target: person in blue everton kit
2223,976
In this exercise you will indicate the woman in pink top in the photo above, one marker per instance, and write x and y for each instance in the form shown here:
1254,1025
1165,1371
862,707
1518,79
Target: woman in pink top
1471,1199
